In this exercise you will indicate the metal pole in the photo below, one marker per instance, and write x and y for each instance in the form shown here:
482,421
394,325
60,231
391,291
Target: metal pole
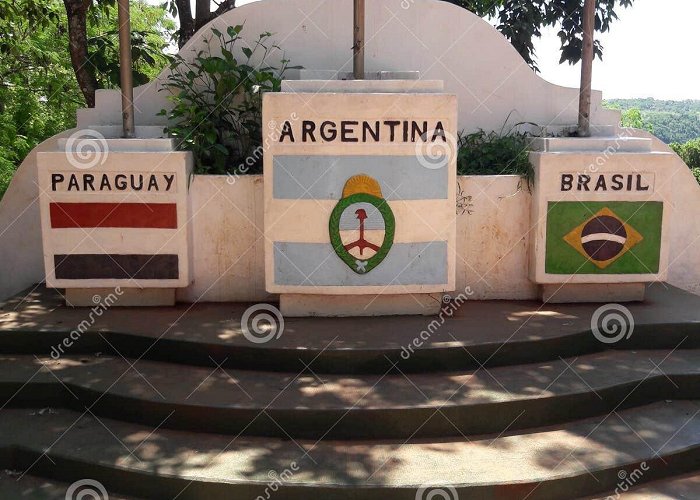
358,45
584,106
125,68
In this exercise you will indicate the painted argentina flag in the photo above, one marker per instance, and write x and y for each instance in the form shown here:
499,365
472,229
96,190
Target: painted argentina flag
358,201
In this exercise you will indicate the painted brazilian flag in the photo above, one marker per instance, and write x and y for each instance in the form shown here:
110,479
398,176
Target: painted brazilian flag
603,237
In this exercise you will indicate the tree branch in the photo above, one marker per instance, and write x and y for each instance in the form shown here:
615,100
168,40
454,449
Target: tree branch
76,11
225,6
184,13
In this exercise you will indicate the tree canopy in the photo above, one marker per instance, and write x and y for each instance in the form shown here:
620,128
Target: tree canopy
670,121
522,21
39,93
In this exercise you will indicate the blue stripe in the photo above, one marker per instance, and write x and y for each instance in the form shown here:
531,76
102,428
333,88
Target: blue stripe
316,264
323,177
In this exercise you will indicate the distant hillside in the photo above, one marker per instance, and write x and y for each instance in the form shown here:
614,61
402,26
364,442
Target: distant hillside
672,121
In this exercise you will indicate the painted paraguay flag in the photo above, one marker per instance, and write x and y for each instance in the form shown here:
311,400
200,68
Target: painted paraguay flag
122,222
82,266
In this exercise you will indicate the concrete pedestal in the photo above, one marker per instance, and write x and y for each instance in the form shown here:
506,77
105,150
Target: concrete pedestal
604,293
301,305
120,297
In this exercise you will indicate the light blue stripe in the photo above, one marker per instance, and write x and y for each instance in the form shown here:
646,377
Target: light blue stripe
323,177
316,264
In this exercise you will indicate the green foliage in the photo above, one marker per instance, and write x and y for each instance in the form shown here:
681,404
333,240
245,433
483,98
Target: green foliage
522,21
696,173
690,152
633,118
217,111
670,121
39,95
151,31
493,153
7,170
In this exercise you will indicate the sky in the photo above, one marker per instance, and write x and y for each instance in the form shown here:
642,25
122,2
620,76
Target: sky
651,51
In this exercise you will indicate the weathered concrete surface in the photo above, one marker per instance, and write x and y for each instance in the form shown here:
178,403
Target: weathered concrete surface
14,485
683,198
228,243
129,297
297,305
548,463
685,487
590,292
493,224
130,442
22,262
469,323
396,406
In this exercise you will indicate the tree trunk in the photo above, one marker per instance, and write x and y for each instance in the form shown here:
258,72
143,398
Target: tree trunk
224,6
202,13
76,11
189,25
184,13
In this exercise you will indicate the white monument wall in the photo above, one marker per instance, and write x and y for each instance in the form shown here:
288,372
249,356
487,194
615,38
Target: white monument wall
491,82
439,40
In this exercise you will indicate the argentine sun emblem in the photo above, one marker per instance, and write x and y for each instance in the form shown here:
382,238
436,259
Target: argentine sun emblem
362,225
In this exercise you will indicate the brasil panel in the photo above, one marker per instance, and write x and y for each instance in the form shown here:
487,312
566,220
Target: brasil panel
603,237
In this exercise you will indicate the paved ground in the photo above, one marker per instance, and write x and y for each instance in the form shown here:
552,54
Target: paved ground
577,448
475,322
161,402
15,486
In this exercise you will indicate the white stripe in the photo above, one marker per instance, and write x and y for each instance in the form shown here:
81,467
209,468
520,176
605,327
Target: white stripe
604,237
418,220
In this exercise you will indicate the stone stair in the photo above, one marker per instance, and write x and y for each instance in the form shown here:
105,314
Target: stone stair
503,400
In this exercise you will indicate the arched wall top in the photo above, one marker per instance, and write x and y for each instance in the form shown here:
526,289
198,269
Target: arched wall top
440,40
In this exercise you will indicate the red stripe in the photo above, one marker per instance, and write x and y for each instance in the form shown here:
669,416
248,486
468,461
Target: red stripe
131,215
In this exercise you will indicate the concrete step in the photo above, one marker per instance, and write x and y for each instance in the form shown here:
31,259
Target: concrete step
604,144
685,487
306,405
583,457
15,485
631,487
473,335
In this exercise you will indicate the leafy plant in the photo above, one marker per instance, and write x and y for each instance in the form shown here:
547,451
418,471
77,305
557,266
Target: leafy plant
670,121
522,22
494,153
633,118
39,93
146,53
217,111
690,153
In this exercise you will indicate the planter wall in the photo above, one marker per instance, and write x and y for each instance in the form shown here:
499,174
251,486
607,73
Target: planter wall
228,258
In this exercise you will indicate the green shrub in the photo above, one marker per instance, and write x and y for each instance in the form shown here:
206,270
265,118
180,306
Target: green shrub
493,153
217,111
690,152
7,170
696,173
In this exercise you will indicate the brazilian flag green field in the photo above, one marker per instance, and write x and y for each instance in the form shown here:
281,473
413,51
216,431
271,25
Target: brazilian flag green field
639,246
